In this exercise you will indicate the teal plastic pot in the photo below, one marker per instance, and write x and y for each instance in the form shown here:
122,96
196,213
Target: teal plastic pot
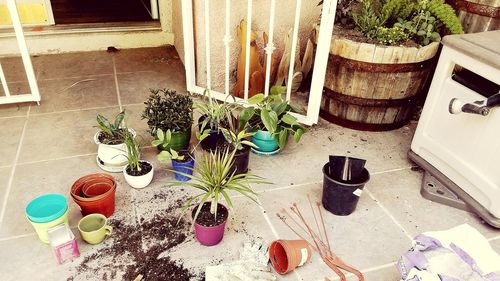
179,141
265,141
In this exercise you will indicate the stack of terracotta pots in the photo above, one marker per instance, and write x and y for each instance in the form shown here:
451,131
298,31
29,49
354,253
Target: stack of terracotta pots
95,193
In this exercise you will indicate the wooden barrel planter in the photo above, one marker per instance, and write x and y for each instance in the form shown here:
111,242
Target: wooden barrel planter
374,87
477,15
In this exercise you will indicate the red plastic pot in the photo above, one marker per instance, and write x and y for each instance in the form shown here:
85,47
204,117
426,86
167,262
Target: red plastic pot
77,189
95,193
209,235
286,255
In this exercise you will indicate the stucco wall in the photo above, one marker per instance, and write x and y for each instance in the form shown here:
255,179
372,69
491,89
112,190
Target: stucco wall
285,14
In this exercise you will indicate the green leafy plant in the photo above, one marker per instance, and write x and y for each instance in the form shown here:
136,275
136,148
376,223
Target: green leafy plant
272,113
111,132
168,110
133,151
215,179
238,139
216,114
394,21
164,138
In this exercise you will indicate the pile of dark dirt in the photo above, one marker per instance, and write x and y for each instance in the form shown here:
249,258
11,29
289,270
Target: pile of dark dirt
139,249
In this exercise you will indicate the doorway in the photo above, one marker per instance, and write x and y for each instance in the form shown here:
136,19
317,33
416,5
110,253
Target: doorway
103,11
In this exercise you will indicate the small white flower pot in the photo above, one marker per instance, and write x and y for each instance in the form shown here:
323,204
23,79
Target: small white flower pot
111,157
139,181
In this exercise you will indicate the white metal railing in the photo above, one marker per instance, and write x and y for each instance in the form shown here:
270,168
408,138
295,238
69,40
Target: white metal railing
28,67
320,62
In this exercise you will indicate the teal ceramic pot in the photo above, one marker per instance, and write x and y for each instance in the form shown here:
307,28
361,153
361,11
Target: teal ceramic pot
265,141
179,141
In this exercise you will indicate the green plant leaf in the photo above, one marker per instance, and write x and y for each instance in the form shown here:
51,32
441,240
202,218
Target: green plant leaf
269,119
245,116
298,134
164,156
289,119
249,143
118,119
258,98
283,136
168,137
277,90
156,142
160,135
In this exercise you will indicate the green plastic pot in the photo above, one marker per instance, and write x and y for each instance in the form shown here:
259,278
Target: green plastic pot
179,141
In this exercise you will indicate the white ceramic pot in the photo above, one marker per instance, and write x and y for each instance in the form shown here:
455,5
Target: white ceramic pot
111,157
139,181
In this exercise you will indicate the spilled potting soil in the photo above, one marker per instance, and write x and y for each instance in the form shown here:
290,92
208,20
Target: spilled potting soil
140,249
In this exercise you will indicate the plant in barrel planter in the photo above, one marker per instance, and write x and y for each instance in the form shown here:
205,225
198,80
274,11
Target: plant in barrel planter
138,173
182,160
214,178
169,110
272,122
214,115
111,143
381,58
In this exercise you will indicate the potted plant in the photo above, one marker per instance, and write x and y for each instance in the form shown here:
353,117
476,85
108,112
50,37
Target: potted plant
110,140
381,57
138,173
182,160
213,177
238,141
214,115
169,110
271,121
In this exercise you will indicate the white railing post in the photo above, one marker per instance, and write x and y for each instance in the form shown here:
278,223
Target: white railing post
293,50
4,82
270,47
188,34
207,43
25,55
247,53
227,40
321,60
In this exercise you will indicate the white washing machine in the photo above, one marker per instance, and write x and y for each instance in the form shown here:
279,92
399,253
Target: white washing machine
458,136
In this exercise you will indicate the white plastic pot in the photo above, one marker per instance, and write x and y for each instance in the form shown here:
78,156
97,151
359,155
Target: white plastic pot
111,157
139,181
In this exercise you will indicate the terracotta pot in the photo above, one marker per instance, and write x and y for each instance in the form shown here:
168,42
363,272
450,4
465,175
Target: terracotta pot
95,193
77,189
286,255
104,206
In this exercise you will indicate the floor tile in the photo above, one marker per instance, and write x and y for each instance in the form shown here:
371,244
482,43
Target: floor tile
13,68
76,93
388,273
16,88
135,87
32,180
4,181
159,59
28,259
399,193
364,239
74,65
62,134
11,129
14,110
383,151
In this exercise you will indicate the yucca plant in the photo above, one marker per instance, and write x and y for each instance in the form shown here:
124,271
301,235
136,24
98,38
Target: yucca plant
214,177
111,133
133,152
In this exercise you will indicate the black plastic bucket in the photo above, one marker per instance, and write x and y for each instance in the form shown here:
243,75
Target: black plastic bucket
340,197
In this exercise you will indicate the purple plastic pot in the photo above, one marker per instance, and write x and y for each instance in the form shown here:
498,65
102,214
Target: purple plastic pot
209,235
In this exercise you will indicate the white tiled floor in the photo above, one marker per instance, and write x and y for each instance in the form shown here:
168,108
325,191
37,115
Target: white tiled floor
45,148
